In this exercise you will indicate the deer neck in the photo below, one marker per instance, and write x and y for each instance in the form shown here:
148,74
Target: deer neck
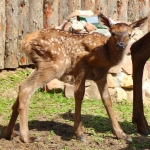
115,56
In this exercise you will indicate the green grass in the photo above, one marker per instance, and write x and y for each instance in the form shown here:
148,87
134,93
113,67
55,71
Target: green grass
51,106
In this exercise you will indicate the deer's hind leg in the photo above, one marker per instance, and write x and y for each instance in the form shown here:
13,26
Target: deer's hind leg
39,77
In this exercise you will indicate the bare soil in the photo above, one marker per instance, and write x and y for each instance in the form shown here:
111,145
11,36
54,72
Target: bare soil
57,134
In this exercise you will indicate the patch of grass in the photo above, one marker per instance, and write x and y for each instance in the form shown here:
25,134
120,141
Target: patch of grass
52,106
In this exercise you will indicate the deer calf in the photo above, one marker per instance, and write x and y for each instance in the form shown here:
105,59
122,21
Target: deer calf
86,56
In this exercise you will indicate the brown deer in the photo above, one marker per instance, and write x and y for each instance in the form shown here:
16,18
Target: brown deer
85,56
140,52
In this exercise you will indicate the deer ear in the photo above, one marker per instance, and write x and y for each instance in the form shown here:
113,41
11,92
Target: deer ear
106,21
138,23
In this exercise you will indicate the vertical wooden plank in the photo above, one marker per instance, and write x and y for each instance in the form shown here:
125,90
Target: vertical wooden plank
97,7
103,7
23,29
2,33
148,15
71,4
133,10
112,9
78,4
82,4
143,11
50,13
11,49
36,14
88,5
122,10
63,10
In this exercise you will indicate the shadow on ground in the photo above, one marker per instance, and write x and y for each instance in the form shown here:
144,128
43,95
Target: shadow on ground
98,123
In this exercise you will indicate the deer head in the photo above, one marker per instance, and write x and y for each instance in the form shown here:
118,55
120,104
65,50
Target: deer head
120,32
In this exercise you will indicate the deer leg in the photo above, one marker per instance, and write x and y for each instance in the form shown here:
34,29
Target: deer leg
138,112
9,131
79,94
102,86
38,78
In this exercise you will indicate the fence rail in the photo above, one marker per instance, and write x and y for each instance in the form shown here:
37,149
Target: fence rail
20,17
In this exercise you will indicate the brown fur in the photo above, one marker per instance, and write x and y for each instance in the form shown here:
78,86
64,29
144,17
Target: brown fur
140,52
86,56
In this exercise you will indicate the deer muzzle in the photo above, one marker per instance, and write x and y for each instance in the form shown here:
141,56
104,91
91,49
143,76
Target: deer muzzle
121,46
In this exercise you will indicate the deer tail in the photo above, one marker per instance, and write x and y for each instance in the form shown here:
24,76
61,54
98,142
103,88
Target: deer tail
26,43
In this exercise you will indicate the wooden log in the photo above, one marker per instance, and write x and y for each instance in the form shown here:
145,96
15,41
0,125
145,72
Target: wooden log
36,15
50,13
76,5
122,7
112,9
144,11
133,10
63,11
23,29
149,16
88,5
97,6
11,50
73,5
2,33
103,7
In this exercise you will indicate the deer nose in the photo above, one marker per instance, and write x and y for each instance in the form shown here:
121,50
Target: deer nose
121,46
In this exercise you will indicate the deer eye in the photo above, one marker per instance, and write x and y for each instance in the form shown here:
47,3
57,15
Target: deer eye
113,34
129,35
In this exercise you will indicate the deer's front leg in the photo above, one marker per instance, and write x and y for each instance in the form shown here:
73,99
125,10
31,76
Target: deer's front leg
138,110
80,77
102,86
79,94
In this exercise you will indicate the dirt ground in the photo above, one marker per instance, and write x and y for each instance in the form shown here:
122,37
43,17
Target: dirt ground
57,134
61,138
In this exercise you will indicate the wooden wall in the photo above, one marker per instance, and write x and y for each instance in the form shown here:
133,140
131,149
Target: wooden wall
20,17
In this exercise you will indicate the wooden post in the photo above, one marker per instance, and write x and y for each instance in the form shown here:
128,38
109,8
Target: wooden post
63,11
73,5
11,50
149,16
144,11
23,29
50,13
88,5
103,7
97,6
112,9
133,11
2,33
122,7
36,15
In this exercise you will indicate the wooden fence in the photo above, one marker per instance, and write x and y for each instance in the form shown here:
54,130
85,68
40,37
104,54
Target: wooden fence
19,17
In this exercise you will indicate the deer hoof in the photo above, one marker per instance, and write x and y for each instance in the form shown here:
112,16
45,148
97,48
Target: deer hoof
144,132
31,139
10,134
81,138
125,137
